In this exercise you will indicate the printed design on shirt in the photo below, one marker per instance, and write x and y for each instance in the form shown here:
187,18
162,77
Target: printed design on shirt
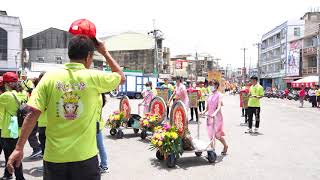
70,105
70,87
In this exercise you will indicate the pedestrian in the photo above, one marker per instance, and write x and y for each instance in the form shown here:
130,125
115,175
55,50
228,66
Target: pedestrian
100,143
312,96
202,100
255,94
9,102
42,124
27,84
180,93
148,94
2,90
215,117
318,95
241,100
286,92
245,98
71,97
302,95
194,110
170,91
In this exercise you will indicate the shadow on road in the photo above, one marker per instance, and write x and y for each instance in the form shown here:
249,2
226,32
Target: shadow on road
185,162
27,159
33,172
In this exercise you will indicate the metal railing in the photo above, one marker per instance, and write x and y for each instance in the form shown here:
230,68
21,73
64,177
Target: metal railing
309,70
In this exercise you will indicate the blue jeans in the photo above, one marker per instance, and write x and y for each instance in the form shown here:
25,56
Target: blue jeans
102,150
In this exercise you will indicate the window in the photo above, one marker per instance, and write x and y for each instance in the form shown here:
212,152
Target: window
3,45
312,62
296,31
58,59
41,59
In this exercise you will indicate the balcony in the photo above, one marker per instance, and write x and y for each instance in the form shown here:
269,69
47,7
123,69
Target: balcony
310,51
309,70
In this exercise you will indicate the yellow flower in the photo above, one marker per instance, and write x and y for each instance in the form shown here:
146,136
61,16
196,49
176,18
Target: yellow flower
117,117
153,142
174,135
160,143
167,134
158,136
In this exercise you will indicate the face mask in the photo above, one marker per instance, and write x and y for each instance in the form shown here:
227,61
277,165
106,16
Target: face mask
148,88
213,88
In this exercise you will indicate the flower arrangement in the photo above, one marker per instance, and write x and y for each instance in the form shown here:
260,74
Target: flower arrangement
149,121
115,119
167,141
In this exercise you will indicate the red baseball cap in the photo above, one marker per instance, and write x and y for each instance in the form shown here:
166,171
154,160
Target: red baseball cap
1,81
84,27
10,77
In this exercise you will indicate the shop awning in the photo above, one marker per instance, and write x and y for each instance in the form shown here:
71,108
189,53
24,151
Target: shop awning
306,82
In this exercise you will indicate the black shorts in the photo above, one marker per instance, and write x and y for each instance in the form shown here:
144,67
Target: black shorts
86,170
318,98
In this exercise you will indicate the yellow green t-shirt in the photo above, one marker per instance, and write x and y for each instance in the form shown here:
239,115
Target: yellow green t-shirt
204,92
258,91
1,116
28,83
10,107
71,99
318,93
42,120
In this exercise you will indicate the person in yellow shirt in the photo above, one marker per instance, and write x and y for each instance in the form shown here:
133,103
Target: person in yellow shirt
9,103
2,90
318,95
70,97
202,100
256,92
100,143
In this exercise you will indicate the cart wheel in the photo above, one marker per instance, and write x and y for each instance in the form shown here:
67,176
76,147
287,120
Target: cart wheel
171,161
120,134
136,131
198,154
113,132
159,156
143,134
212,156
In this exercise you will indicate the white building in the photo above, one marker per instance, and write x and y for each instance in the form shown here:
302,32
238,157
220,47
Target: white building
10,43
274,54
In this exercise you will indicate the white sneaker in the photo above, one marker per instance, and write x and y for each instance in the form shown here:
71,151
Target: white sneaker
249,131
256,130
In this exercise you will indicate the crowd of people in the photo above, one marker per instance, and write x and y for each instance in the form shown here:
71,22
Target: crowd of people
64,108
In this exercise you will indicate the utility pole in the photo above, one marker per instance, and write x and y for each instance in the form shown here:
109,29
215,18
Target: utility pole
258,63
244,65
157,34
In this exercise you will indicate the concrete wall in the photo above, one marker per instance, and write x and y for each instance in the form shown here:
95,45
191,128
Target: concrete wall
13,27
49,55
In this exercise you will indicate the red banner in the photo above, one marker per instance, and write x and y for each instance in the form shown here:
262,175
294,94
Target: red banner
125,107
178,118
158,106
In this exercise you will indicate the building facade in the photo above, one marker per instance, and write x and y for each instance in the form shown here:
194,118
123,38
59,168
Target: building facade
48,46
192,66
311,49
136,51
275,55
10,43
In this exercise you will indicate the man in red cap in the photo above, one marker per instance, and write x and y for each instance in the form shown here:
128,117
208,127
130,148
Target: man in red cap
71,98
9,132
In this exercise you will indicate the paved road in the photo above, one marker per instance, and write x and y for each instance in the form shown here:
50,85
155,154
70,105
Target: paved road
288,148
